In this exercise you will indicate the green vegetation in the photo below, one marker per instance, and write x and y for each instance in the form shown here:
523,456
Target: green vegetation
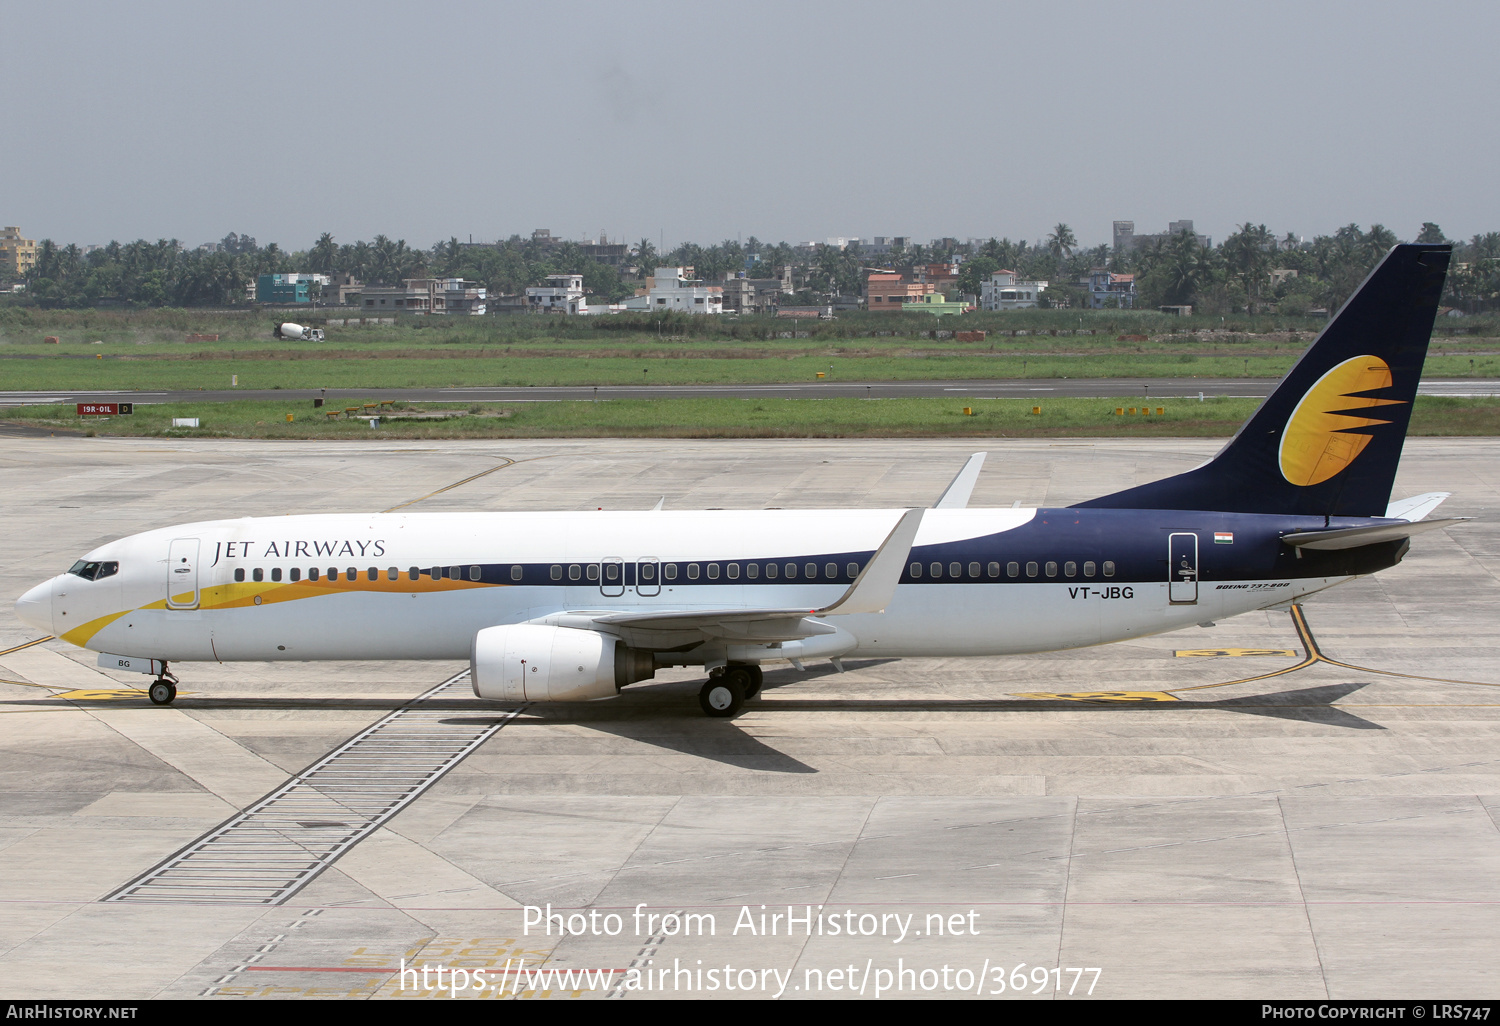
720,418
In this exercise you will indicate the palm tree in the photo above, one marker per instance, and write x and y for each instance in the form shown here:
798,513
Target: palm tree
1061,242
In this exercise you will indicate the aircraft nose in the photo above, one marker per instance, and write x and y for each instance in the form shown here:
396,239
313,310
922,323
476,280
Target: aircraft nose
34,608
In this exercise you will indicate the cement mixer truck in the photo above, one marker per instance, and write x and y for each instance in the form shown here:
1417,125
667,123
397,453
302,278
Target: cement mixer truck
297,333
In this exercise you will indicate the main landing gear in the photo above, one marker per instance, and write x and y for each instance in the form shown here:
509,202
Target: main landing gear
728,688
163,689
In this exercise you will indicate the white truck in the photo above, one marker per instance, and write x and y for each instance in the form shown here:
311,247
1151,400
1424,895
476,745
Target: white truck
297,333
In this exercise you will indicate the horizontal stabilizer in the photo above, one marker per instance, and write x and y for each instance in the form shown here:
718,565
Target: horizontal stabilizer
1354,537
956,495
1415,508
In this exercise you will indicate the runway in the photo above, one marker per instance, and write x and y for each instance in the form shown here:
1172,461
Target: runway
1028,388
1331,832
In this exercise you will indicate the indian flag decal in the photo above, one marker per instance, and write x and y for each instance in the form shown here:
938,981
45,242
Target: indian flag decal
1223,537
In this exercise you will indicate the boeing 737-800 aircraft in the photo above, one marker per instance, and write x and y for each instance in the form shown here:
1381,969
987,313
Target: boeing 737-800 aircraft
575,606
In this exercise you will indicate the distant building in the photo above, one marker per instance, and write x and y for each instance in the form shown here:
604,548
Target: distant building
426,296
935,303
1003,291
940,276
890,292
754,295
615,254
1110,291
1126,239
17,255
671,289
290,289
883,245
563,293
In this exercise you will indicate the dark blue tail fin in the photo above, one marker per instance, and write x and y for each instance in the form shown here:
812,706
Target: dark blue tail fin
1327,441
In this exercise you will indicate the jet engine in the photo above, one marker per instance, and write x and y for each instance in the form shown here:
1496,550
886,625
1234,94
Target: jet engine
535,663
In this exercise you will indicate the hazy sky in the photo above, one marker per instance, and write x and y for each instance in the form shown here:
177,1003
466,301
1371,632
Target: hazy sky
703,121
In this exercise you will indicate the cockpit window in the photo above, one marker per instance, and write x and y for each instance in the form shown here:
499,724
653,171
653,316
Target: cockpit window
93,570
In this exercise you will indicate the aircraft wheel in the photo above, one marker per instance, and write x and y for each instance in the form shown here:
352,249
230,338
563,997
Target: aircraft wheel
162,692
722,696
753,678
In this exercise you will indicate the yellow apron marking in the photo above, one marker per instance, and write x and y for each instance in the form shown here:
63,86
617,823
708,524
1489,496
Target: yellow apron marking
1100,696
1315,655
1209,652
28,644
100,694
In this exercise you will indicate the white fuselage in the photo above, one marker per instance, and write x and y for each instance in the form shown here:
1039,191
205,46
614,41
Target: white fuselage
365,585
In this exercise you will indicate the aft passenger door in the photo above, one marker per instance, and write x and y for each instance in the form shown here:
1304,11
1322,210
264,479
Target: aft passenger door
1182,569
182,574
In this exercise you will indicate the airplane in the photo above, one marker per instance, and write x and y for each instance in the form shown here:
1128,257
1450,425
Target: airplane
575,606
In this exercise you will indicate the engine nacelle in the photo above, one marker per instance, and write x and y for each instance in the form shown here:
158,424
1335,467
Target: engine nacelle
535,663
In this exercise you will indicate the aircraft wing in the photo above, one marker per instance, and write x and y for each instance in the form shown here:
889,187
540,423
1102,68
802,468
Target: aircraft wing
871,592
1354,537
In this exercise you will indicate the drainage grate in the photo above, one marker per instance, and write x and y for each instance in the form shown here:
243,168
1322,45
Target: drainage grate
266,853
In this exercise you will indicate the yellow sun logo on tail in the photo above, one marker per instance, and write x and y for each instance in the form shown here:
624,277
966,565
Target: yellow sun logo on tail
1320,438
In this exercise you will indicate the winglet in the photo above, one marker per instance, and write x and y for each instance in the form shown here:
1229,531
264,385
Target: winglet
876,584
956,495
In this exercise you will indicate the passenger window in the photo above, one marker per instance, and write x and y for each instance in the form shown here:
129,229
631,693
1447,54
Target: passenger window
1109,568
935,569
296,574
516,572
915,569
475,573
852,569
830,570
994,569
556,572
611,572
312,574
648,571
791,571
591,571
955,570
1030,569
732,571
973,569
276,573
1088,568
1012,569
713,571
575,572
810,571
392,574
352,574
692,571
771,569
752,571
372,574
671,571
1051,568
239,573
258,574
1070,569
455,573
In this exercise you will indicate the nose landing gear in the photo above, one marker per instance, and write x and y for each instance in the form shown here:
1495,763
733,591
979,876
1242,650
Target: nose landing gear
163,689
